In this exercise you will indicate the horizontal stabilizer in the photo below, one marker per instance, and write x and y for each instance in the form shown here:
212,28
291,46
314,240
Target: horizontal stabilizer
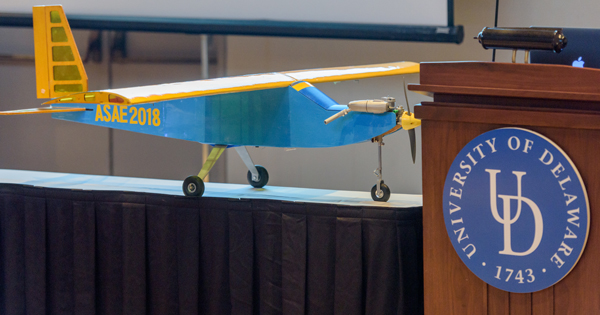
42,110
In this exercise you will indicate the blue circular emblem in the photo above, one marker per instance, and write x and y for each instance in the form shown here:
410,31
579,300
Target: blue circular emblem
516,210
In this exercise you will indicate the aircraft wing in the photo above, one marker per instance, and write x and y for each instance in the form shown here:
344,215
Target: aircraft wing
161,92
353,73
60,74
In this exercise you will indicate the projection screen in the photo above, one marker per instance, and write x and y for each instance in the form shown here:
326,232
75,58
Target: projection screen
306,18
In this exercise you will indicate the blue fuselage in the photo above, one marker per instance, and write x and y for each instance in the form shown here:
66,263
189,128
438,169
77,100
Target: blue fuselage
281,117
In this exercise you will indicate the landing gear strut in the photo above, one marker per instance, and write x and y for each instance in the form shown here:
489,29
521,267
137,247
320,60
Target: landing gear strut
194,185
257,175
381,191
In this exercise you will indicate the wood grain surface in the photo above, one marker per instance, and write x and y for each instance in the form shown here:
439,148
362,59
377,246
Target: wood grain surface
450,287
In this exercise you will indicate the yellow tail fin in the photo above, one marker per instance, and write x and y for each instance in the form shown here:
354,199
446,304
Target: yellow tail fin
58,66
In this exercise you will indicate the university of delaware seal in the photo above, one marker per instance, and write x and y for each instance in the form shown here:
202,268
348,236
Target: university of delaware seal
516,210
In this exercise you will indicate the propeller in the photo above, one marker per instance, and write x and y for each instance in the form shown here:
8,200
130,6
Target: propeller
412,135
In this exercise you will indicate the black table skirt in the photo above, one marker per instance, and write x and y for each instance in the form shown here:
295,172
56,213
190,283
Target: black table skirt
96,252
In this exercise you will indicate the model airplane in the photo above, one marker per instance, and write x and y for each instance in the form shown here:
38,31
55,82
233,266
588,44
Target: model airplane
272,110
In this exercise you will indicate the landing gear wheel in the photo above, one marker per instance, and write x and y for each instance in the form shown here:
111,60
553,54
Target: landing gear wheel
193,186
384,194
263,177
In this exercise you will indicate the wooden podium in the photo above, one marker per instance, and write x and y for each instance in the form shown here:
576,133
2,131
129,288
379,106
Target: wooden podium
470,98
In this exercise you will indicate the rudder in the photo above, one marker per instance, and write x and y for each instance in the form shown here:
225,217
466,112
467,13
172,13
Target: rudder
58,66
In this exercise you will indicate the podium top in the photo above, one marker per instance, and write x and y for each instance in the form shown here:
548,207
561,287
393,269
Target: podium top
539,81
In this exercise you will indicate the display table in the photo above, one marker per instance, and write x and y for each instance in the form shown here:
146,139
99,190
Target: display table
96,244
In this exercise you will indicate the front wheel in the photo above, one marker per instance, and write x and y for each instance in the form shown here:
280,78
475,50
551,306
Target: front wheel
383,195
263,177
193,186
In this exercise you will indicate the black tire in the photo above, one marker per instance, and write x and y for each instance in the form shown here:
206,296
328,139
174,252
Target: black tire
386,193
193,186
263,177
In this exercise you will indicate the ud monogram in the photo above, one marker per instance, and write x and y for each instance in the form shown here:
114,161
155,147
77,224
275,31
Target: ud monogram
506,219
516,210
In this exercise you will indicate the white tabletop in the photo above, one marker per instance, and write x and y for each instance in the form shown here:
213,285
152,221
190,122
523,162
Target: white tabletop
173,187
